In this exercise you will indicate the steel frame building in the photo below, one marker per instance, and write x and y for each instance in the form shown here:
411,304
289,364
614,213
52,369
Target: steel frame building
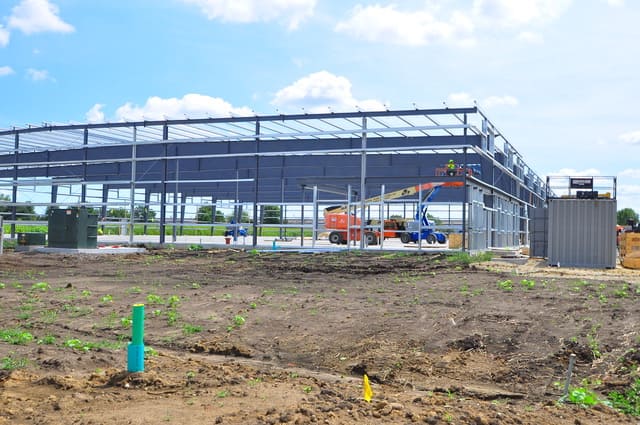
275,160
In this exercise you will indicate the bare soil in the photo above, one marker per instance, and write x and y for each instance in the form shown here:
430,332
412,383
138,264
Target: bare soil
285,338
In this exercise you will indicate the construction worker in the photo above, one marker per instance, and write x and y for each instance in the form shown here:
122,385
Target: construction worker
451,168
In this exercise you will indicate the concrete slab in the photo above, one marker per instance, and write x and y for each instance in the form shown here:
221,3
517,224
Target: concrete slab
100,250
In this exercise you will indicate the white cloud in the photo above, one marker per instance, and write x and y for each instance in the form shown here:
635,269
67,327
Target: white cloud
4,36
631,138
413,28
493,101
95,114
427,25
5,70
38,74
463,99
509,13
615,3
530,37
576,173
322,92
33,16
189,106
293,12
633,173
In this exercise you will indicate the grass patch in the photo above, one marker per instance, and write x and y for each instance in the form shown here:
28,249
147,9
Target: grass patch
466,258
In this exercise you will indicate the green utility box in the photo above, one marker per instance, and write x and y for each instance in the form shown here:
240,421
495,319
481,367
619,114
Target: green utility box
72,228
31,239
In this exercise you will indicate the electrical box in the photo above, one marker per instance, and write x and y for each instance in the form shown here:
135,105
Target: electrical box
72,228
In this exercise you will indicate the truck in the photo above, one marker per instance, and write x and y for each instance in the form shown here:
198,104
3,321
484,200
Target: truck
338,219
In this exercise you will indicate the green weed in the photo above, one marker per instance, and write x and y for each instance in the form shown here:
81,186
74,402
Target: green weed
47,340
188,329
528,284
506,285
40,286
628,401
582,396
12,362
154,299
15,336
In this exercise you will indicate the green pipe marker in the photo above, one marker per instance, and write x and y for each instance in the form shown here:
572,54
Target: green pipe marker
135,349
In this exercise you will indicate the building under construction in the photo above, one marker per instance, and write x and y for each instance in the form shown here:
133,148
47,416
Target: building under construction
161,173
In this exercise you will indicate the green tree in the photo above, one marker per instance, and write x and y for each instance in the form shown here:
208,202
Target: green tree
203,215
118,213
23,212
271,214
626,214
139,213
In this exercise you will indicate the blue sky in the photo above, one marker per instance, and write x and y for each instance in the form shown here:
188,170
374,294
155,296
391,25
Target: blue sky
559,78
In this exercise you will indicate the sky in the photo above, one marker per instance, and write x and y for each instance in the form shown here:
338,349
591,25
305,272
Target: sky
558,78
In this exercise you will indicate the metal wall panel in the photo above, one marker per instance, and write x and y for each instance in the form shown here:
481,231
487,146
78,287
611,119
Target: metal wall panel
538,232
582,233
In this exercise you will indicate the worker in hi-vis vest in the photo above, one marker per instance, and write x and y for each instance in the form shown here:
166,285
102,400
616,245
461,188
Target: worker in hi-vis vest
451,168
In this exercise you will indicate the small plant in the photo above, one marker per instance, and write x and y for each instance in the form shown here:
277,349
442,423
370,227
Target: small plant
188,329
47,340
172,317
149,352
106,299
12,363
77,344
134,290
154,299
254,381
40,286
592,340
628,401
86,293
15,336
195,247
49,316
506,285
173,301
2,285
222,394
307,389
253,306
582,396
622,292
528,284
238,320
126,322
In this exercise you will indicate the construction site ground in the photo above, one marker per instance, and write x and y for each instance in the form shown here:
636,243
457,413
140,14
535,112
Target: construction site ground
248,337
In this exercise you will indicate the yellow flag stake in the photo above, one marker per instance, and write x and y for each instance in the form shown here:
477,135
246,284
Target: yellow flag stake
366,388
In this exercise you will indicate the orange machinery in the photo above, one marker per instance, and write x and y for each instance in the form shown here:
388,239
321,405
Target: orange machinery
337,219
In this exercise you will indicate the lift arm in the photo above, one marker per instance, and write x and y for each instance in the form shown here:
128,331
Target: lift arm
427,189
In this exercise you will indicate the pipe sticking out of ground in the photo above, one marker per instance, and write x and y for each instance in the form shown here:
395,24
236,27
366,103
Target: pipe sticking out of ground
135,349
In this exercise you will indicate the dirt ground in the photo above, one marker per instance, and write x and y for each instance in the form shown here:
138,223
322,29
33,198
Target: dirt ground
238,337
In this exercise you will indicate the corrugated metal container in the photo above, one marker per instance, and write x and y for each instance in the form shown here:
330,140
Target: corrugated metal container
582,233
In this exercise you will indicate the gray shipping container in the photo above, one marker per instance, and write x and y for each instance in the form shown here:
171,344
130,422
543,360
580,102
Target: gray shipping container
582,233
